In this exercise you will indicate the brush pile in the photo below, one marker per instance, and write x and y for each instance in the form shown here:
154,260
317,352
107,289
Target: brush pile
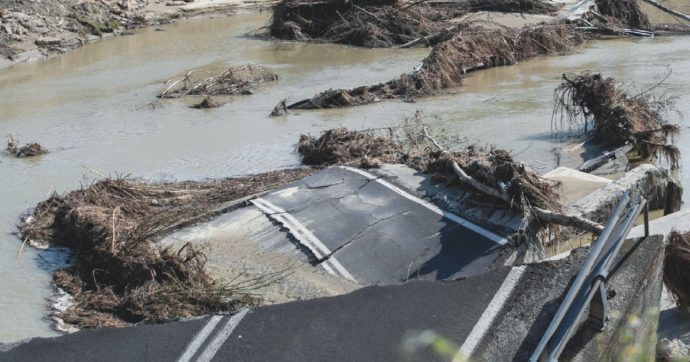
618,13
121,274
382,23
495,168
235,80
367,23
589,100
344,147
469,50
28,150
677,268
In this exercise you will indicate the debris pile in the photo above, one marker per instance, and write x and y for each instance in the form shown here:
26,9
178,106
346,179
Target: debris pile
494,168
622,13
206,103
28,150
383,23
677,268
599,106
511,6
234,80
121,274
344,147
368,23
449,62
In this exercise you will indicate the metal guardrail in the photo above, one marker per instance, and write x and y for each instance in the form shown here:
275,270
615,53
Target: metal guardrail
589,287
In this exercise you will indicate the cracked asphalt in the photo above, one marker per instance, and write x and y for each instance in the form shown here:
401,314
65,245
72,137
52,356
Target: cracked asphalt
378,235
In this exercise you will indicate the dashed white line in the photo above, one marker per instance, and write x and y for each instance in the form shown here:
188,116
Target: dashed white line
448,215
199,338
221,337
491,311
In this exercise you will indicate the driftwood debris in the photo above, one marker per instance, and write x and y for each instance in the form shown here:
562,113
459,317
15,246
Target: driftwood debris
491,173
528,206
280,109
599,106
234,80
28,150
368,23
344,147
384,23
121,274
449,62
677,268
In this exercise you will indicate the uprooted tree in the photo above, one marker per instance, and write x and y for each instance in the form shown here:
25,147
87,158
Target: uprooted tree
601,107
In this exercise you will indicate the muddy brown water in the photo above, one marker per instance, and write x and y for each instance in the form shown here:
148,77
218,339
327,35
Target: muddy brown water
90,108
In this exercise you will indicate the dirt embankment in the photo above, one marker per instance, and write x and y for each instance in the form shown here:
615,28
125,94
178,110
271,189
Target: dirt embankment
33,29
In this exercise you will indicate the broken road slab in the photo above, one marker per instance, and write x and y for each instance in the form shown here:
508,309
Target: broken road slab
495,316
371,231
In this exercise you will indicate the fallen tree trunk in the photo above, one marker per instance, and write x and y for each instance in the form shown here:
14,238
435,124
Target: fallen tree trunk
541,214
667,10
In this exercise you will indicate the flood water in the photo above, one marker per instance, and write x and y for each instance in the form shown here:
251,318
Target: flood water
90,108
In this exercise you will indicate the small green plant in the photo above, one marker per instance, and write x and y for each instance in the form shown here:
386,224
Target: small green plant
98,28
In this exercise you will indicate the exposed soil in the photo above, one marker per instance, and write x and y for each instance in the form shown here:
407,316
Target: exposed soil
31,29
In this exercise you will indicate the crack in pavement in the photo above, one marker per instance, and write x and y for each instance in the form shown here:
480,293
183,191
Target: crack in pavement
360,234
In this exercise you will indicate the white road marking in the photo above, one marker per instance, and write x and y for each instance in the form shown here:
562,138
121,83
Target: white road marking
222,336
448,215
199,338
491,311
299,231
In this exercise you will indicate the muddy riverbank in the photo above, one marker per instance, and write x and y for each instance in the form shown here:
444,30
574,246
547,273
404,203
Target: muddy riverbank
118,132
32,30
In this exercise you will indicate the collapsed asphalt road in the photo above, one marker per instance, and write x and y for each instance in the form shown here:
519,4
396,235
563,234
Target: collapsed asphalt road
368,230
498,315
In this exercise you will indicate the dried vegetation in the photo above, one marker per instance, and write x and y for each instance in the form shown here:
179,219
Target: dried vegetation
600,106
449,62
28,150
492,167
383,23
121,274
368,23
677,268
234,80
623,13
